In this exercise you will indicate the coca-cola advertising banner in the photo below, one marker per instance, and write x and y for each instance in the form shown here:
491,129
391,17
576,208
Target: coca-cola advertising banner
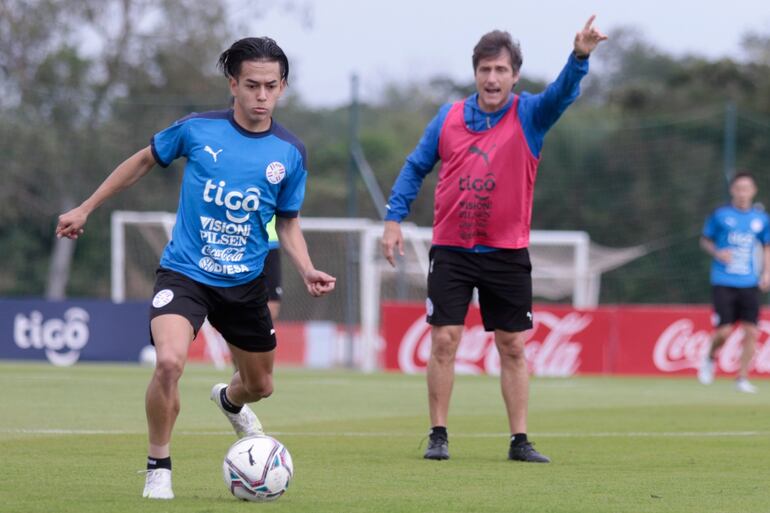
661,340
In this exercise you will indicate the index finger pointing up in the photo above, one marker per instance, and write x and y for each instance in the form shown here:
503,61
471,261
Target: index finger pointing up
589,22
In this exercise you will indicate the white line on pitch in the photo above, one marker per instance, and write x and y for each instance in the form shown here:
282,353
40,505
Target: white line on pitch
381,434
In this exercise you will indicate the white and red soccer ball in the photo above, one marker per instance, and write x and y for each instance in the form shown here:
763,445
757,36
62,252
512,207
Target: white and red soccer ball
257,468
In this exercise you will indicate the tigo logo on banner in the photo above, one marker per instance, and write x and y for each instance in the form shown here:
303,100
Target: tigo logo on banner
62,339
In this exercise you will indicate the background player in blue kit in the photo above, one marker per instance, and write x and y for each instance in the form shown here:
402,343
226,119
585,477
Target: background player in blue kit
731,236
242,169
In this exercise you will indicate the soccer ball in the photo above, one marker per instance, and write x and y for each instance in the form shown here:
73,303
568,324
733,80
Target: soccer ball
148,356
257,468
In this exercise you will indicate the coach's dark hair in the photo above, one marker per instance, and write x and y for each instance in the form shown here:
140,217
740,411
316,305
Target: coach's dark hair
742,174
492,43
252,49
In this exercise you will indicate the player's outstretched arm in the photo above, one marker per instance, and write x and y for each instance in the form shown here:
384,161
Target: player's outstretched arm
318,283
588,39
71,223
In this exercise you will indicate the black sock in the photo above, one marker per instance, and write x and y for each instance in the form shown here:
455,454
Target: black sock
438,431
227,405
518,438
153,463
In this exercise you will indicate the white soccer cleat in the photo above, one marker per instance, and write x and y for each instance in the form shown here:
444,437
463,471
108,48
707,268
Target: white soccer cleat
706,371
244,423
743,385
157,484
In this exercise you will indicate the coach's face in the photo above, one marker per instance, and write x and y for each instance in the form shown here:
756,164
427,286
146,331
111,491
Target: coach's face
495,79
256,91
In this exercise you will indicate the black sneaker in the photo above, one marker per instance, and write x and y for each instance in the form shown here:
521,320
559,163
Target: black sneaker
525,452
438,448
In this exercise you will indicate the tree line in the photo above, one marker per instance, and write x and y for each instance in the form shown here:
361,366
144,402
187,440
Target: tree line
639,159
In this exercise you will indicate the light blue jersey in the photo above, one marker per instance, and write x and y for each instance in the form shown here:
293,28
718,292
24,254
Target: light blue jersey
234,182
743,232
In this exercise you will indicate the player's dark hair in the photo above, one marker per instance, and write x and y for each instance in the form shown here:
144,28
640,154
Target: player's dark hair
742,174
492,43
252,49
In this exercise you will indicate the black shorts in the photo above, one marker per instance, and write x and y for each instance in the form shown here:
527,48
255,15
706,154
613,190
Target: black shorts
503,279
273,274
732,304
239,313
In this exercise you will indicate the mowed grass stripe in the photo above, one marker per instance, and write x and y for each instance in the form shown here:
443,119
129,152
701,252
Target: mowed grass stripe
361,434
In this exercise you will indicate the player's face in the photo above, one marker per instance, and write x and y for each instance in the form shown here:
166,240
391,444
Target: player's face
495,79
743,191
256,91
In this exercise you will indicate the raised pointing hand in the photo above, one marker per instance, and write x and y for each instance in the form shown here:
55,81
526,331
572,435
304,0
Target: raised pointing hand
588,39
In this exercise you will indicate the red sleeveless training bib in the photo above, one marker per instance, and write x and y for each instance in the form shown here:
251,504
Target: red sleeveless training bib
486,182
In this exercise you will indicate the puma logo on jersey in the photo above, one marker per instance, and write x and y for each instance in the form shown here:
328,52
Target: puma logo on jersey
213,153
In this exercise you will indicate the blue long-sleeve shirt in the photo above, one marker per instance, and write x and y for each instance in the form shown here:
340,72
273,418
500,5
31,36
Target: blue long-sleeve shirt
537,114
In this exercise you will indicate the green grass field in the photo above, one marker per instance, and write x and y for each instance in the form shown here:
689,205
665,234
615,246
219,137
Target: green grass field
73,439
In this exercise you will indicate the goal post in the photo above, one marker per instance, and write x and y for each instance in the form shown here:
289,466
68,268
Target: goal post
119,222
554,277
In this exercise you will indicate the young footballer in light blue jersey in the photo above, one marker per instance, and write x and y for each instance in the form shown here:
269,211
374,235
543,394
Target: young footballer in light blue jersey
242,168
732,235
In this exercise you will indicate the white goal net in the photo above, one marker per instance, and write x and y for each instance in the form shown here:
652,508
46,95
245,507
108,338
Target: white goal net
566,267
